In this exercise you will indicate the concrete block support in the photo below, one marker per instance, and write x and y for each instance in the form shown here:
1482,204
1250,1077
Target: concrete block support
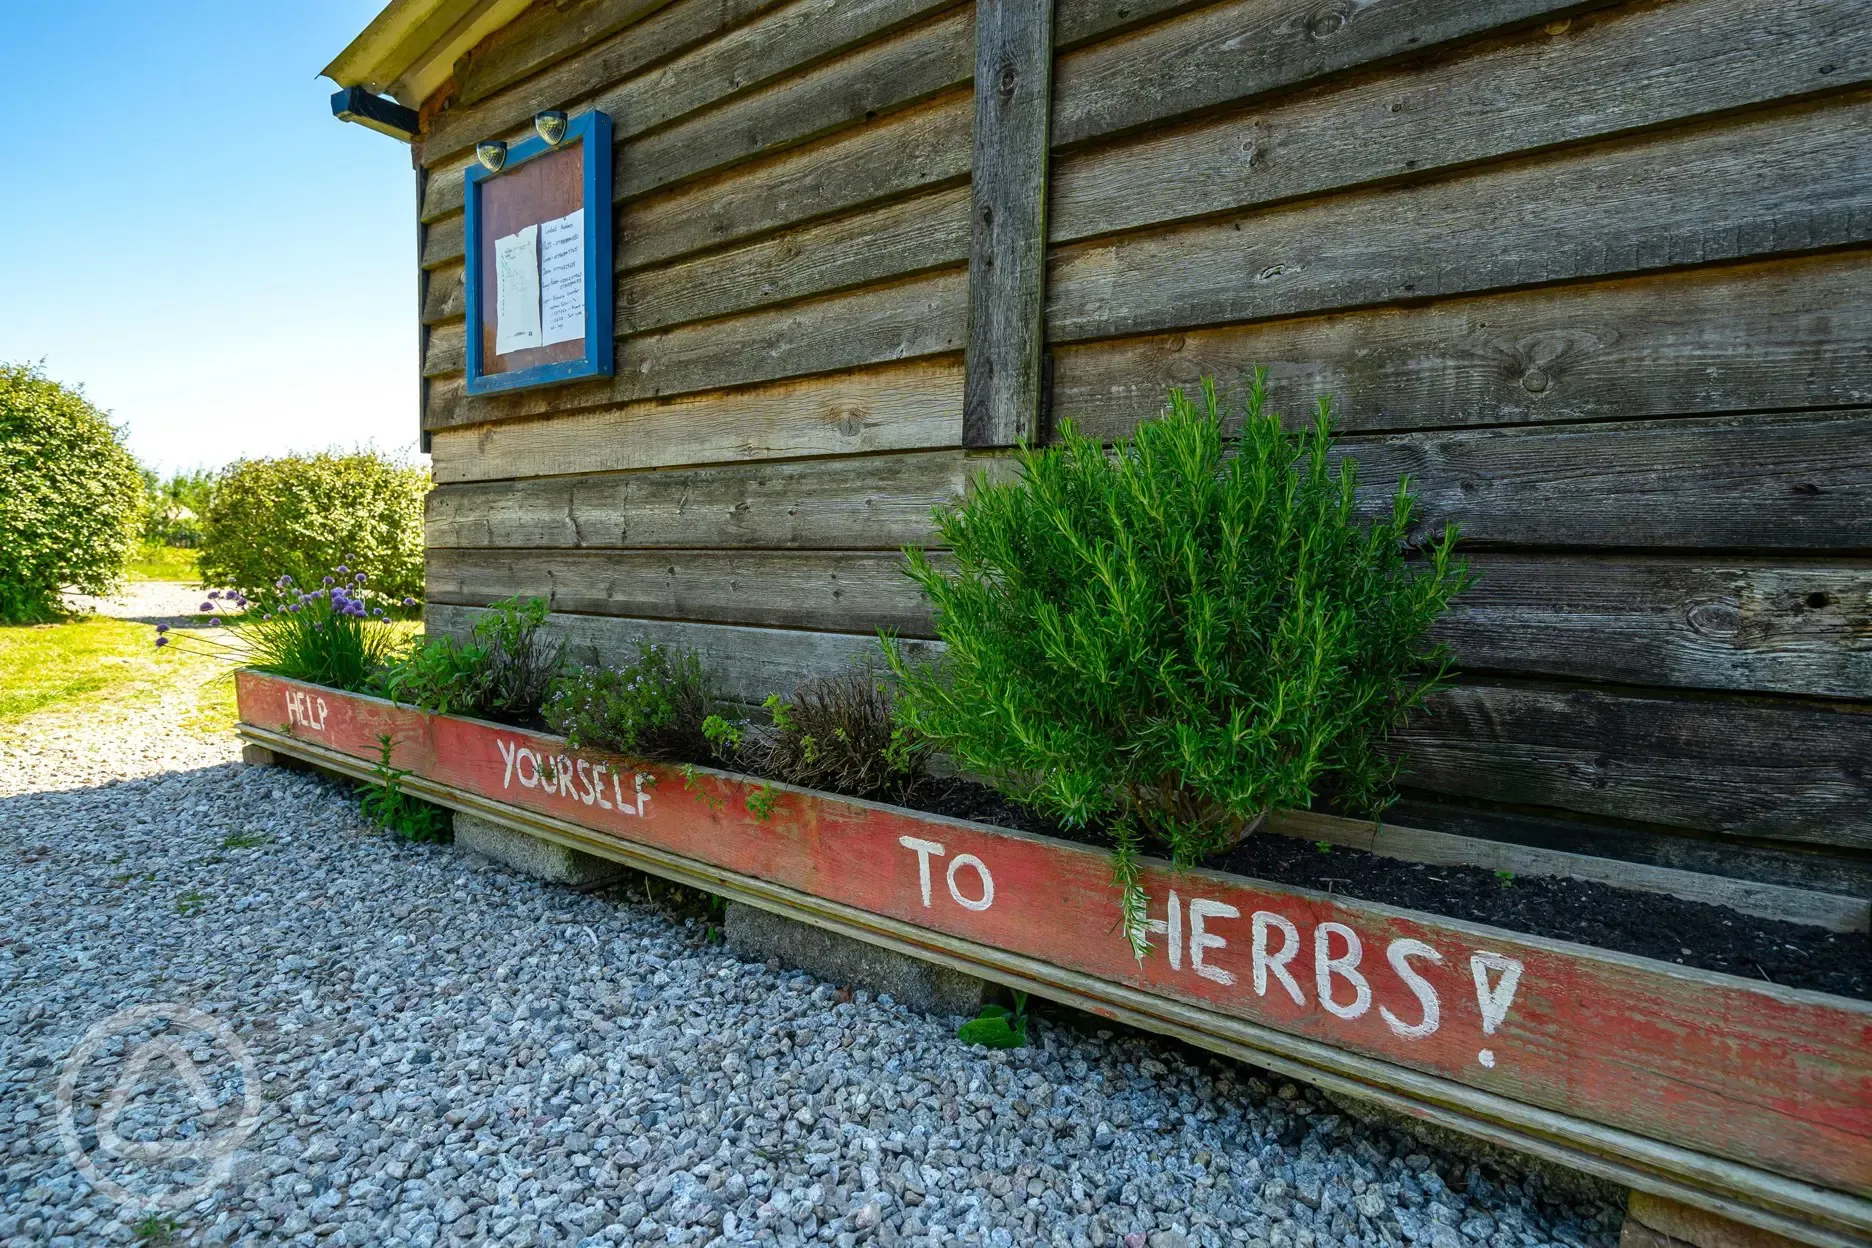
530,855
1654,1222
756,933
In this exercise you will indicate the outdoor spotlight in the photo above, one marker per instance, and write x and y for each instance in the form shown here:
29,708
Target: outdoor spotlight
551,125
492,153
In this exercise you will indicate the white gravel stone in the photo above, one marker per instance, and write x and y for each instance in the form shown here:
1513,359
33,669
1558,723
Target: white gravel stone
448,1052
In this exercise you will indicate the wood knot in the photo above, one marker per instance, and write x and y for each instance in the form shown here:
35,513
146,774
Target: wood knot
1534,381
1009,77
1326,23
1714,617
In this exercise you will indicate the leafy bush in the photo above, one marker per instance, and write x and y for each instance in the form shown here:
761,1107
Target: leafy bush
174,508
71,496
1169,641
503,672
300,514
339,634
653,708
840,733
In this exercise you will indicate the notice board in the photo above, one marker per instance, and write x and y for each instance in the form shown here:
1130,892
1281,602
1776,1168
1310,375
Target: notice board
538,250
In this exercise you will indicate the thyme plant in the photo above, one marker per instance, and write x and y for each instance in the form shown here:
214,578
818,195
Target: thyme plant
1169,641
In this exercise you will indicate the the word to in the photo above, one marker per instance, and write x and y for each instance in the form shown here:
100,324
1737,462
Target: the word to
983,885
305,709
577,779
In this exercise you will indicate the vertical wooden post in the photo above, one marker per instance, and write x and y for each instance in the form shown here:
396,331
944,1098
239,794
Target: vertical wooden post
1007,249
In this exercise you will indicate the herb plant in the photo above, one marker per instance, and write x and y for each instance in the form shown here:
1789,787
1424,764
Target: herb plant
339,634
503,671
388,807
840,733
653,708
1168,641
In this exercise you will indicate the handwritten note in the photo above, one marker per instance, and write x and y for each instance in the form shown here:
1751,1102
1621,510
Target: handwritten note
562,278
517,291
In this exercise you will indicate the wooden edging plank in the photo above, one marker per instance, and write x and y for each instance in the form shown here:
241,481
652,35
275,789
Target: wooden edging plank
1007,246
1722,1064
1389,840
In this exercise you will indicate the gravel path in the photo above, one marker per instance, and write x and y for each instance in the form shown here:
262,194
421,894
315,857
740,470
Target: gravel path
447,1052
150,602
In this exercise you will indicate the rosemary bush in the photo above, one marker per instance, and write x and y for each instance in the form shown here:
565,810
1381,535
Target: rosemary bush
1168,641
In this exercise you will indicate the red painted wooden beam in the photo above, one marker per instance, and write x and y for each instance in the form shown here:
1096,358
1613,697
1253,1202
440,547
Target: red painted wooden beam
1777,1078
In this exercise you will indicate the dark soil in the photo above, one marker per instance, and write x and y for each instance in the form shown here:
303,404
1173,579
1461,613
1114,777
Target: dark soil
1689,933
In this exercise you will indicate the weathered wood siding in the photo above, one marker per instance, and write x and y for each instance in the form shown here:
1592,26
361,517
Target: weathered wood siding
1595,276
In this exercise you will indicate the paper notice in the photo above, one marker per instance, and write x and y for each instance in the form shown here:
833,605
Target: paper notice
517,291
562,278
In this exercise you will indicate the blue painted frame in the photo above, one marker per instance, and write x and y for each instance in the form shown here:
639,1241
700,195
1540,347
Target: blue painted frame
593,129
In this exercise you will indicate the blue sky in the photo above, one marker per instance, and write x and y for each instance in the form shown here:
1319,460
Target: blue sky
225,267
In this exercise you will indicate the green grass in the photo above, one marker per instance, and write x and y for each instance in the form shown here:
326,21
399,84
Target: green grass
92,660
151,562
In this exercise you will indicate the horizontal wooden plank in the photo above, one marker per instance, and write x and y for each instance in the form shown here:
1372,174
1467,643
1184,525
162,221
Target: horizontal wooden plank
880,77
539,37
1081,21
906,237
1793,482
445,297
871,502
1791,180
673,30
1621,69
1406,844
921,148
1691,623
1249,48
893,408
442,243
1780,771
746,663
924,316
1784,334
831,590
1735,1066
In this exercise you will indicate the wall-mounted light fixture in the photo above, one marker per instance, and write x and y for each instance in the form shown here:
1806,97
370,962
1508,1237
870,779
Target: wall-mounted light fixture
492,153
355,104
551,125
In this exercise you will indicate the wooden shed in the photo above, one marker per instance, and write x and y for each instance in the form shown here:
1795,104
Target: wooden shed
1594,275
1597,276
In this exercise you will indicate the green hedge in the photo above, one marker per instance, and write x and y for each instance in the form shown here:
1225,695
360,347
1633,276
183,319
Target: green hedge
71,496
303,515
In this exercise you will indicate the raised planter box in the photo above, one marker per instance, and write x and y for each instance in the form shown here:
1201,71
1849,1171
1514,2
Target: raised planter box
1745,1099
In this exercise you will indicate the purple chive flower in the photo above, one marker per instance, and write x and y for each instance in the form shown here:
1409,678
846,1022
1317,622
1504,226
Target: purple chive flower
161,629
214,622
409,602
350,558
161,642
267,616
295,608
379,613
327,581
207,606
359,578
342,570
214,593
